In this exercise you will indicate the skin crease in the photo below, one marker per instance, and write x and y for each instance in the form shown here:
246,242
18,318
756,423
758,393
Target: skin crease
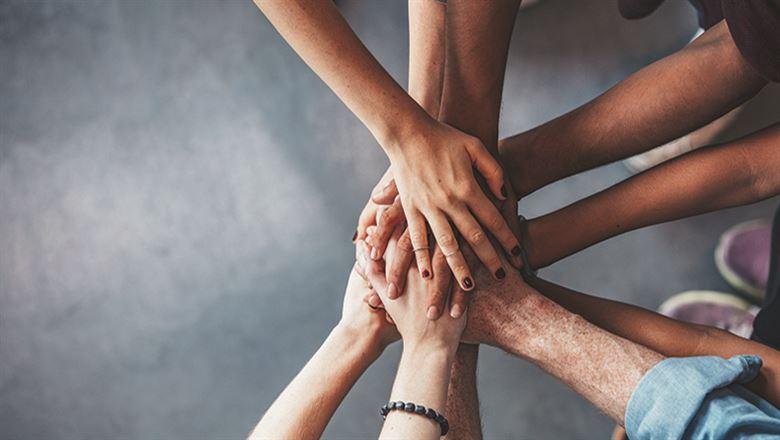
434,165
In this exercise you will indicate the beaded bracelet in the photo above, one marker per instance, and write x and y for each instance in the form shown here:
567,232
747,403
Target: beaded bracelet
417,409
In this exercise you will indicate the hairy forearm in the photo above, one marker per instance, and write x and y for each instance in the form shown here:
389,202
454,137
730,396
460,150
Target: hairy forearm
709,179
462,397
305,407
422,378
667,336
666,100
573,350
322,38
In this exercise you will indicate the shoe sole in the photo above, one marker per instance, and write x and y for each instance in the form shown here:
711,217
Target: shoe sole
697,296
732,278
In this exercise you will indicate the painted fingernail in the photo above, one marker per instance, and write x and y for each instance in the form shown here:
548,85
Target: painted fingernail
374,301
425,273
467,283
374,253
456,311
392,291
503,190
433,312
516,251
354,237
500,273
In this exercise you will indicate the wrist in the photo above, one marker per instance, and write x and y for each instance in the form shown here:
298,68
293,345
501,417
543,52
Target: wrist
429,349
367,341
402,129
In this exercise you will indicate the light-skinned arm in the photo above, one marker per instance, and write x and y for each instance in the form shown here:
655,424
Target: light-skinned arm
429,349
433,163
304,408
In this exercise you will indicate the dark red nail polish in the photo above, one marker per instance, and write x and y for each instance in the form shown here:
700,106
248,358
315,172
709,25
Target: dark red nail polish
500,273
425,273
468,283
516,251
503,190
354,237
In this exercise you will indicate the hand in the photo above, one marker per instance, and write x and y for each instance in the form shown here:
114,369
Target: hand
373,209
409,311
360,319
434,173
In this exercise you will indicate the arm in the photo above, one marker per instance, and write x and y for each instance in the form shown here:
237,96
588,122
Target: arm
668,336
433,164
307,404
737,173
462,398
661,102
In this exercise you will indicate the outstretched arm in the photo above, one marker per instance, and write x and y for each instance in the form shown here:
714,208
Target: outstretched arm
668,336
307,404
663,101
736,173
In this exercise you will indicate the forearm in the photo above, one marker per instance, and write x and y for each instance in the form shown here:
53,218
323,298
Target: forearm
305,407
422,379
666,100
322,38
709,179
426,53
667,336
566,346
462,398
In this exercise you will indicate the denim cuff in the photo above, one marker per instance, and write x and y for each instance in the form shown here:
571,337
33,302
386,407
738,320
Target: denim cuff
669,395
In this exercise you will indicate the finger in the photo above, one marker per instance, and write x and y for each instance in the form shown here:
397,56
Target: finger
386,194
372,269
418,233
439,286
489,216
388,221
472,232
373,301
488,167
459,302
446,240
367,218
399,266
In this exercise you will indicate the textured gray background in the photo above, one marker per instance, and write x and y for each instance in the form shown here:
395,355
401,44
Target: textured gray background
178,191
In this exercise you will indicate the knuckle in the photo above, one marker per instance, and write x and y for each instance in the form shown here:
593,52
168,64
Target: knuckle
476,237
418,238
448,241
404,243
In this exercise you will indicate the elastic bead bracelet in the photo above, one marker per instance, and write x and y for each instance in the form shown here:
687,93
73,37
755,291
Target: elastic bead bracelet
417,409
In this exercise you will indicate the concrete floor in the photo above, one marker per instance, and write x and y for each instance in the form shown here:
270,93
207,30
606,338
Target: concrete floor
178,191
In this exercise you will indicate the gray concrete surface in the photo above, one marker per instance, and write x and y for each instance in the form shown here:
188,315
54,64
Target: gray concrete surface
177,195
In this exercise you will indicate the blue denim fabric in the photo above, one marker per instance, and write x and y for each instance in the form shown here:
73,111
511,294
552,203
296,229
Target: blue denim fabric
700,398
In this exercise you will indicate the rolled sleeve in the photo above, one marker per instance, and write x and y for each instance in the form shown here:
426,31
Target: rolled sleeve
699,397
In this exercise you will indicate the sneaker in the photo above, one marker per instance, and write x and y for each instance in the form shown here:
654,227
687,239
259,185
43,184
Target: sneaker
698,138
742,257
715,309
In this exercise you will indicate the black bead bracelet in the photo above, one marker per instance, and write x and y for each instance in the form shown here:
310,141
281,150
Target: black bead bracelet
417,409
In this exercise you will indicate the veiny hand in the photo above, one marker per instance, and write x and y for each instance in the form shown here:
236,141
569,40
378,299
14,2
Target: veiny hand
358,316
409,311
434,173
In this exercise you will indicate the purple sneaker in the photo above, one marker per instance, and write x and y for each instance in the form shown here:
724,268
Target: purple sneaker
715,309
742,257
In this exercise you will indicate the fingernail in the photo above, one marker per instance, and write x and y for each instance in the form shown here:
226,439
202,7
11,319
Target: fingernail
456,311
374,253
500,273
392,291
425,273
467,283
516,251
503,190
433,312
354,237
374,301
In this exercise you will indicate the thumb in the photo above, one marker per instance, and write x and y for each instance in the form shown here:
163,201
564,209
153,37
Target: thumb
386,194
489,168
372,269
